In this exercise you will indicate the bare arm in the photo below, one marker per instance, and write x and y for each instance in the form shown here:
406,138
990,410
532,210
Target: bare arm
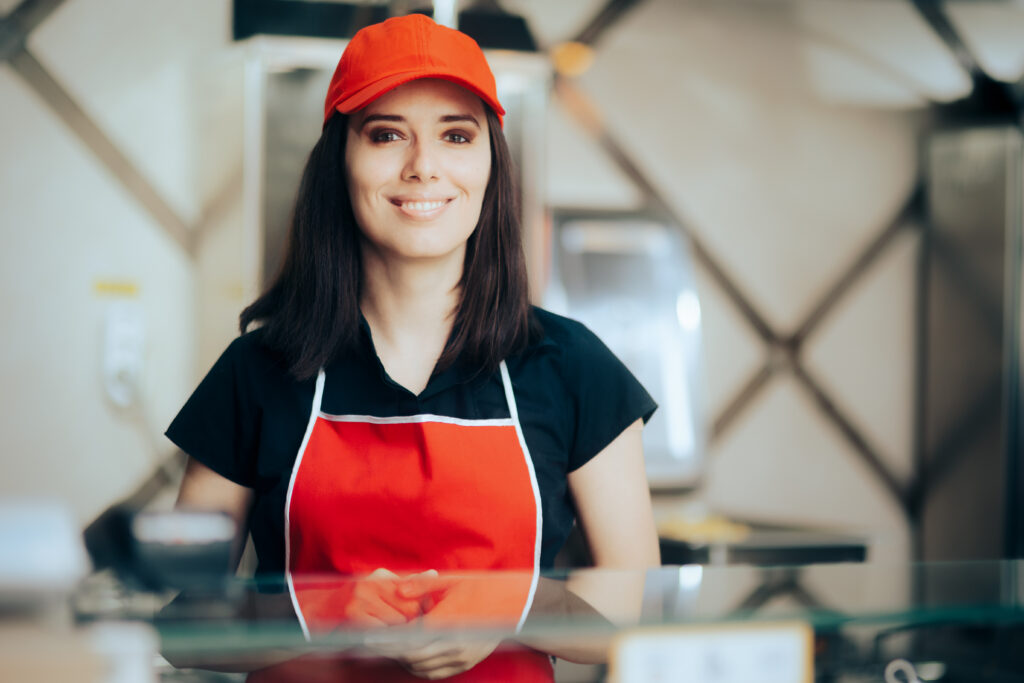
204,489
613,502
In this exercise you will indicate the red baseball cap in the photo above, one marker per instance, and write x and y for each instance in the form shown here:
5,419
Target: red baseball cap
383,56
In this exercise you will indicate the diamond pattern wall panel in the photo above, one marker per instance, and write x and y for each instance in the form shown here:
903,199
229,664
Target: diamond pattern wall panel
842,77
891,35
578,172
732,353
220,282
553,22
131,66
68,224
782,189
784,462
863,354
994,31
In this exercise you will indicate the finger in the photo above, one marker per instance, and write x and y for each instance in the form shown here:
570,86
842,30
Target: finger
451,656
430,573
431,654
442,672
425,585
388,649
410,607
385,620
415,586
383,586
371,606
396,647
382,573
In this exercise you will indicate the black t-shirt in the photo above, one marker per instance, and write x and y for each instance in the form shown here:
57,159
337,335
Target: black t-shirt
247,418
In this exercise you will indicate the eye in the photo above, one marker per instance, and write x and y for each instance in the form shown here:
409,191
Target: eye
383,135
458,137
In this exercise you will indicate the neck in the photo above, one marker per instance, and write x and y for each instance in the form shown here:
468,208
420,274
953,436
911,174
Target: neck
410,302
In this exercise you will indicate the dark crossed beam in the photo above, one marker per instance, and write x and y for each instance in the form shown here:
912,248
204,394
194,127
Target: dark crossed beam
14,32
605,18
783,352
989,95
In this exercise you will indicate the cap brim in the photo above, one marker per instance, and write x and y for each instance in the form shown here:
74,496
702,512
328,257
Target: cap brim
374,90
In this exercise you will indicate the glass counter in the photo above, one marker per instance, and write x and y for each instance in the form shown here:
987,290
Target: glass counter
849,622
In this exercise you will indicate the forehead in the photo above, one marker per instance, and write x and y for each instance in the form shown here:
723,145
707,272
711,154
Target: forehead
426,95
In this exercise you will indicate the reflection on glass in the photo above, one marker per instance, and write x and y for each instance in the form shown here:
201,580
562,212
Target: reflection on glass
579,616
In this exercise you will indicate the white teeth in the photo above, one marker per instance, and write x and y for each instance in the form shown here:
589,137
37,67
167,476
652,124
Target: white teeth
423,206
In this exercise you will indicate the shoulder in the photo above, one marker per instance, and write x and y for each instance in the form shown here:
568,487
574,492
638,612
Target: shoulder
596,394
562,348
568,338
251,344
249,364
250,350
559,330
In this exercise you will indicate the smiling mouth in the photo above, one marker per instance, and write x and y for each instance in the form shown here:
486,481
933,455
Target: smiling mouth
421,208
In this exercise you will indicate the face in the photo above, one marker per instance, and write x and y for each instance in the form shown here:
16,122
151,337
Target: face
418,160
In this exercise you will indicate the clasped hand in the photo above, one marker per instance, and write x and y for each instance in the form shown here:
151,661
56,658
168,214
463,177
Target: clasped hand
389,600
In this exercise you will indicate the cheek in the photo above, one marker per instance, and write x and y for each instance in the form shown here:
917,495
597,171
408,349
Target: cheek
363,171
359,182
475,175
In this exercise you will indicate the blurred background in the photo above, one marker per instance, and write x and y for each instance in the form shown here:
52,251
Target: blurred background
799,222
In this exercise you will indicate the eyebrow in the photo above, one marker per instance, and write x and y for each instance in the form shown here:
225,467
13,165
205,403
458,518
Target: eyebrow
455,118
449,118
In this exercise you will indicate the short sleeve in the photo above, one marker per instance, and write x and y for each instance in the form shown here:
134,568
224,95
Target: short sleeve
605,395
219,424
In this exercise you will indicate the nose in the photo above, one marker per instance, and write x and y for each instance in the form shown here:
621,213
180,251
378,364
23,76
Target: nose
421,163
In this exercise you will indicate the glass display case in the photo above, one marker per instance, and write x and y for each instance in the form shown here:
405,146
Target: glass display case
959,621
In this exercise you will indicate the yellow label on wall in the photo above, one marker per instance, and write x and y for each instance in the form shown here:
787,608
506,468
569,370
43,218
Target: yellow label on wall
125,288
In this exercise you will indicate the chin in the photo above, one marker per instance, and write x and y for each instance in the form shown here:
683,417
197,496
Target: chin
425,252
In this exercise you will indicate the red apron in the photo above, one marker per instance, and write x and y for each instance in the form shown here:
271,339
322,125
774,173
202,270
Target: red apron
410,494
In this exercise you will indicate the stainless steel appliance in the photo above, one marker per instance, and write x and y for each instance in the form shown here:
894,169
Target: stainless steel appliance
970,431
630,280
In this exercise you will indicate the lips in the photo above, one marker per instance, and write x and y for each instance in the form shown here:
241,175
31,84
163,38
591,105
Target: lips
421,208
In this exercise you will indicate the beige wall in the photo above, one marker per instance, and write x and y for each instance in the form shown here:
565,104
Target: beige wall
69,227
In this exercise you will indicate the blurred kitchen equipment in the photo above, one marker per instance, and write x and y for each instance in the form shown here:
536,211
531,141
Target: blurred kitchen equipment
630,280
970,440
161,550
43,558
42,562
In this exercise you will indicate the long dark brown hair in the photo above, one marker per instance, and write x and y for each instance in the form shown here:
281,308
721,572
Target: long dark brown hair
310,313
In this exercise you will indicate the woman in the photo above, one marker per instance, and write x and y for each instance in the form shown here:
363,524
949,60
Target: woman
401,408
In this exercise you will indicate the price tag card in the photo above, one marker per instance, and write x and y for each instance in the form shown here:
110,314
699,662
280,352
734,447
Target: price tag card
730,653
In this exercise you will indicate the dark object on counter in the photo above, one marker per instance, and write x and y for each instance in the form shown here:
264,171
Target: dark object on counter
178,549
766,546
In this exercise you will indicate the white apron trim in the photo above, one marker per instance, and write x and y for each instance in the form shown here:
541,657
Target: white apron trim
318,395
417,419
511,399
